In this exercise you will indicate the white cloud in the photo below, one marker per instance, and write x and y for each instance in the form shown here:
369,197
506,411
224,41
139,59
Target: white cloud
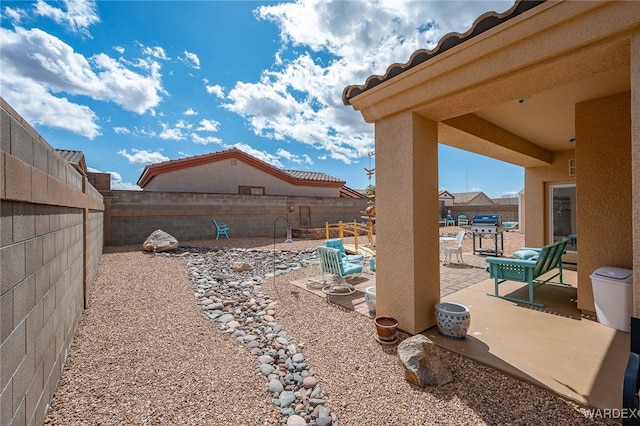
119,49
44,67
141,156
192,60
324,50
39,107
175,132
121,130
77,15
205,140
190,111
298,159
214,89
156,52
208,126
14,15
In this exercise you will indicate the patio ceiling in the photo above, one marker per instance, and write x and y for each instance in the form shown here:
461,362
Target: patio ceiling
510,93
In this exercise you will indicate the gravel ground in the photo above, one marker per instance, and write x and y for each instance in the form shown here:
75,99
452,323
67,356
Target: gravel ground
144,354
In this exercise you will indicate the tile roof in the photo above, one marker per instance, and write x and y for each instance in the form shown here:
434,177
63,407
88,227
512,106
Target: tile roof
483,23
303,175
347,192
75,158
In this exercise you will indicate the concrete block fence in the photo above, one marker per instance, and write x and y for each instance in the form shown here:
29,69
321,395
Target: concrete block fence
51,239
132,215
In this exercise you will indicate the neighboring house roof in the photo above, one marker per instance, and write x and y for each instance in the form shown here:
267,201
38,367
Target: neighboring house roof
346,192
75,158
507,201
291,176
445,194
483,23
471,197
302,175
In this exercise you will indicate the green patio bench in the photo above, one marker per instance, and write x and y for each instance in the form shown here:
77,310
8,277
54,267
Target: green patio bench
544,260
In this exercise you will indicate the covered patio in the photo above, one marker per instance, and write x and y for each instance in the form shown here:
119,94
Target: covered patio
527,343
553,87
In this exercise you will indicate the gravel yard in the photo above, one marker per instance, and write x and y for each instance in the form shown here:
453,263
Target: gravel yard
144,354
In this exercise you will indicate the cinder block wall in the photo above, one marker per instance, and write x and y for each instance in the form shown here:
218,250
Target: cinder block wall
51,239
132,215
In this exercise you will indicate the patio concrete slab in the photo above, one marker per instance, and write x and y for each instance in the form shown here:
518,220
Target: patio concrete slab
555,347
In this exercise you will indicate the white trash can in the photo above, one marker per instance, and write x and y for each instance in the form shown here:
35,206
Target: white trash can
613,296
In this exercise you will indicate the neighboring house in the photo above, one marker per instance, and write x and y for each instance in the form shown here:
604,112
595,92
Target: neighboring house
75,158
551,86
235,172
446,199
472,199
506,201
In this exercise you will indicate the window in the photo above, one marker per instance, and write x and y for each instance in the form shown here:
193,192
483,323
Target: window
251,190
562,201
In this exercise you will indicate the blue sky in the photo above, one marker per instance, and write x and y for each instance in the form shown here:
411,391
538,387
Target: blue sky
132,83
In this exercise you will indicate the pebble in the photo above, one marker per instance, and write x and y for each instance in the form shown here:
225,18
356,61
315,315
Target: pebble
227,286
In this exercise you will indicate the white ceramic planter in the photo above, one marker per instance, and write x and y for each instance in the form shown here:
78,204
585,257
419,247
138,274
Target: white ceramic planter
453,319
370,298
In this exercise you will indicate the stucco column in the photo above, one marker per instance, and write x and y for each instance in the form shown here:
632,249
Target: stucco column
635,167
407,245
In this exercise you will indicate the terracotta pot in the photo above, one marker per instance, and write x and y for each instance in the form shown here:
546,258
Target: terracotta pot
386,328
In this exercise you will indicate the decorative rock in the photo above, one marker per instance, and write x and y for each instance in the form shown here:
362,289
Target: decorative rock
226,284
241,266
286,398
296,420
159,241
423,364
309,382
266,369
225,318
324,421
275,386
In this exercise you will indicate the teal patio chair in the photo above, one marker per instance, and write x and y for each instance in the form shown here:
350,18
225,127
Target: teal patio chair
337,244
332,262
221,230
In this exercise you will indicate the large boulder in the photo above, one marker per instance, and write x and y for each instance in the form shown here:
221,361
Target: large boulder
160,241
423,364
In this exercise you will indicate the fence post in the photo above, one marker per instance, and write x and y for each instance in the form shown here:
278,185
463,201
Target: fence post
355,234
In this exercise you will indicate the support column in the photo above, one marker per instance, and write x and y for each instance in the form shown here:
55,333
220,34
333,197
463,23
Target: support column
407,245
635,167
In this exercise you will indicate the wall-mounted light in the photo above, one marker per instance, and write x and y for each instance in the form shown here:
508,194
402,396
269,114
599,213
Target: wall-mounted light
291,209
572,140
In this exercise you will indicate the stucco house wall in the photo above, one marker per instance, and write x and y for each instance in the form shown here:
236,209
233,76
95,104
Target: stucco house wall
225,177
603,154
